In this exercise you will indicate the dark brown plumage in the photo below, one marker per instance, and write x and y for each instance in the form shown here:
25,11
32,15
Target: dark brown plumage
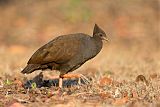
67,52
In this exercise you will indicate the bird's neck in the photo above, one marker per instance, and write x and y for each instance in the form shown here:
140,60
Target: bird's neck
98,42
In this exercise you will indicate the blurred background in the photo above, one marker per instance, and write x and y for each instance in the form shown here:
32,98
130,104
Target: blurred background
131,25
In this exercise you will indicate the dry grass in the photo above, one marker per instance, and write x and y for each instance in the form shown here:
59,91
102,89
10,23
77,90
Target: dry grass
114,74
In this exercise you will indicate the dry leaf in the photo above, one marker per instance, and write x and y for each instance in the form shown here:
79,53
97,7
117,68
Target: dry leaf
105,95
141,78
120,101
18,82
105,81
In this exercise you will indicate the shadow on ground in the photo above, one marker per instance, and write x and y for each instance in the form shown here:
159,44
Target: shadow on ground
39,82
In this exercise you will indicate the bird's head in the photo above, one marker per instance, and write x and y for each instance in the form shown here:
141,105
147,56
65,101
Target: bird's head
98,32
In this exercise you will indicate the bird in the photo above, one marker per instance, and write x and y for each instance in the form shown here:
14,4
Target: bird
66,53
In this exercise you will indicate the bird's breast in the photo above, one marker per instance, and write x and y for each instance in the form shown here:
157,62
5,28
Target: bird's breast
90,49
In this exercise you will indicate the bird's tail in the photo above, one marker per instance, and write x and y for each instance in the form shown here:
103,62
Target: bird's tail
30,68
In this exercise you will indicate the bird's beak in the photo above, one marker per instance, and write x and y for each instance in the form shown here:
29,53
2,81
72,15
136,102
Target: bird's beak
106,39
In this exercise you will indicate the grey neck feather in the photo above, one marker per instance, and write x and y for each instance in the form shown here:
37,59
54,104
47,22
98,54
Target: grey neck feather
98,42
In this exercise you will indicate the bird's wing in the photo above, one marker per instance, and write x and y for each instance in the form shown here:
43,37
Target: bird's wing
59,50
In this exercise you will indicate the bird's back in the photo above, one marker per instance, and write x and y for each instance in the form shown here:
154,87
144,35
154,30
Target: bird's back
59,50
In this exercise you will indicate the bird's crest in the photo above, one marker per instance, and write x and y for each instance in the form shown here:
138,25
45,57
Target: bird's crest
97,29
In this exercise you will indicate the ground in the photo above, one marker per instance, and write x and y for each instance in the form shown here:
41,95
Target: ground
117,78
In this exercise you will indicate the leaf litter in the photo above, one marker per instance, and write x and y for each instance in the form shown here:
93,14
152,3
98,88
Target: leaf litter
105,91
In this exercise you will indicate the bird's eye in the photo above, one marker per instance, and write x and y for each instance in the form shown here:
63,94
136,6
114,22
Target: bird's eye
100,34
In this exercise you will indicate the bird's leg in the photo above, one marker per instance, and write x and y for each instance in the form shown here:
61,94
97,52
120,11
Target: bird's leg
73,76
60,82
60,89
69,76
79,76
